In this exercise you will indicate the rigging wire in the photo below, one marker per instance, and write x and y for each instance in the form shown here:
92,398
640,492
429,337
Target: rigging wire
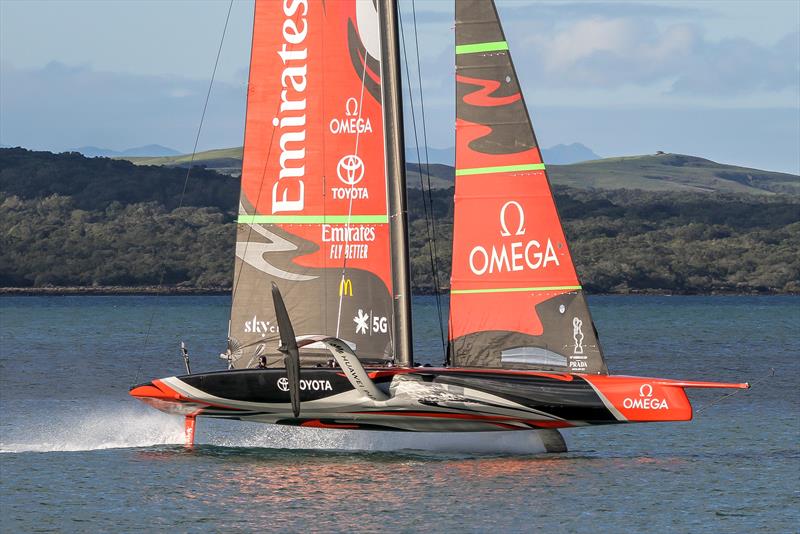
435,268
189,170
205,105
350,204
428,210
734,392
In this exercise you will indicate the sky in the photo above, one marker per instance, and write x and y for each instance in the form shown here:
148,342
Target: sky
714,79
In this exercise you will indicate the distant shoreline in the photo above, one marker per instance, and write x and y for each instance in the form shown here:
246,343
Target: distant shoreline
111,291
224,291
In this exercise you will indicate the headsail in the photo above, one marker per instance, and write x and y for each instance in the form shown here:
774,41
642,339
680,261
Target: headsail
516,301
313,208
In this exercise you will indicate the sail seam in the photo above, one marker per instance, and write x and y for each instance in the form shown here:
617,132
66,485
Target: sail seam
351,219
502,168
514,289
493,46
312,219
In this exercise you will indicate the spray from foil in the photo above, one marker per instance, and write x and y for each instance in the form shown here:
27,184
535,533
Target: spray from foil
90,429
82,429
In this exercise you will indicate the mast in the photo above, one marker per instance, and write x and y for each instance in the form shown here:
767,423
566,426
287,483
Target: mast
395,175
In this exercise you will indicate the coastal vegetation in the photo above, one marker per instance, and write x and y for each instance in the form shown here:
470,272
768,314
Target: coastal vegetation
71,221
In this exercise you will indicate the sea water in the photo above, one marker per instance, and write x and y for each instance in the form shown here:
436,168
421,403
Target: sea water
78,454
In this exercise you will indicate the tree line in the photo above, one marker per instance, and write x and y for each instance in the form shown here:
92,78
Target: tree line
66,220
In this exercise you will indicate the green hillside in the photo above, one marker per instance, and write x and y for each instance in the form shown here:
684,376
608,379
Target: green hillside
224,160
658,172
67,220
199,158
673,172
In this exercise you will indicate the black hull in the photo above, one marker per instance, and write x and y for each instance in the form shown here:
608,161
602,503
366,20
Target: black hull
421,399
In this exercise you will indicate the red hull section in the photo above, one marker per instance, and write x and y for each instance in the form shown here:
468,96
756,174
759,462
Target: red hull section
641,400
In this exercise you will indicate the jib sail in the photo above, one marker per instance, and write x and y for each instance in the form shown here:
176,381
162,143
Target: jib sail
516,301
313,207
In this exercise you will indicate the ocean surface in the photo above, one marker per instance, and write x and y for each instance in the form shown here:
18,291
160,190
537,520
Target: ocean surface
78,454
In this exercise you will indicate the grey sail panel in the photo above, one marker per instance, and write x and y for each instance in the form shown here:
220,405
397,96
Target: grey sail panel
516,300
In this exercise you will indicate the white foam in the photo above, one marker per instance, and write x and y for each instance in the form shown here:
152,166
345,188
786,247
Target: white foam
92,429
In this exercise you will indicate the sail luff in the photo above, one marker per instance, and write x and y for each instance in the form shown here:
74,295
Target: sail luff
395,173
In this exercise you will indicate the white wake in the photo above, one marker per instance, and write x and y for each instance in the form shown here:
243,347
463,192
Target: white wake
133,426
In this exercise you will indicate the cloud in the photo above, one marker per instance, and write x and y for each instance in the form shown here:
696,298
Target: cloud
558,10
614,52
441,12
609,52
739,66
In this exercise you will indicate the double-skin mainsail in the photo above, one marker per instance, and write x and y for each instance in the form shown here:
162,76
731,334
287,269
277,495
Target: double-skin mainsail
315,205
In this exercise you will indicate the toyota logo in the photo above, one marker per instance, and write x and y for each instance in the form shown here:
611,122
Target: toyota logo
283,384
350,169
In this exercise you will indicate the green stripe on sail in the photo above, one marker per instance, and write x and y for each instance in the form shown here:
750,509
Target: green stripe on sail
494,46
513,289
502,168
313,219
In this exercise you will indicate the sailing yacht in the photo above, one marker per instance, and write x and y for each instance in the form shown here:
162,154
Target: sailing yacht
320,323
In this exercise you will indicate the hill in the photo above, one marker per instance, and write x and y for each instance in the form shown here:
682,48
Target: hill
67,220
147,150
658,172
568,154
673,172
94,183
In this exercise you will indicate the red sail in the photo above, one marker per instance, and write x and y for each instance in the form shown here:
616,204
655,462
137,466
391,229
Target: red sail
516,301
313,212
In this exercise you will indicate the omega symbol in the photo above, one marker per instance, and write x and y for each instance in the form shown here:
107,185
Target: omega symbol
504,225
351,107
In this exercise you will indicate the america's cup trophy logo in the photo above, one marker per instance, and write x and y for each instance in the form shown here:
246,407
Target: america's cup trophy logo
577,334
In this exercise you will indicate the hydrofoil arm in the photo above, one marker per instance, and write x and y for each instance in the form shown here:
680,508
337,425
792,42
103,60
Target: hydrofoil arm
349,363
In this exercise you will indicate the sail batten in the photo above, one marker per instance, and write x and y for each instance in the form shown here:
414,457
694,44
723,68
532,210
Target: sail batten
313,219
474,48
516,300
500,168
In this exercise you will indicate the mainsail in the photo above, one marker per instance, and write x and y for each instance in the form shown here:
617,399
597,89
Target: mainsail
313,209
516,301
